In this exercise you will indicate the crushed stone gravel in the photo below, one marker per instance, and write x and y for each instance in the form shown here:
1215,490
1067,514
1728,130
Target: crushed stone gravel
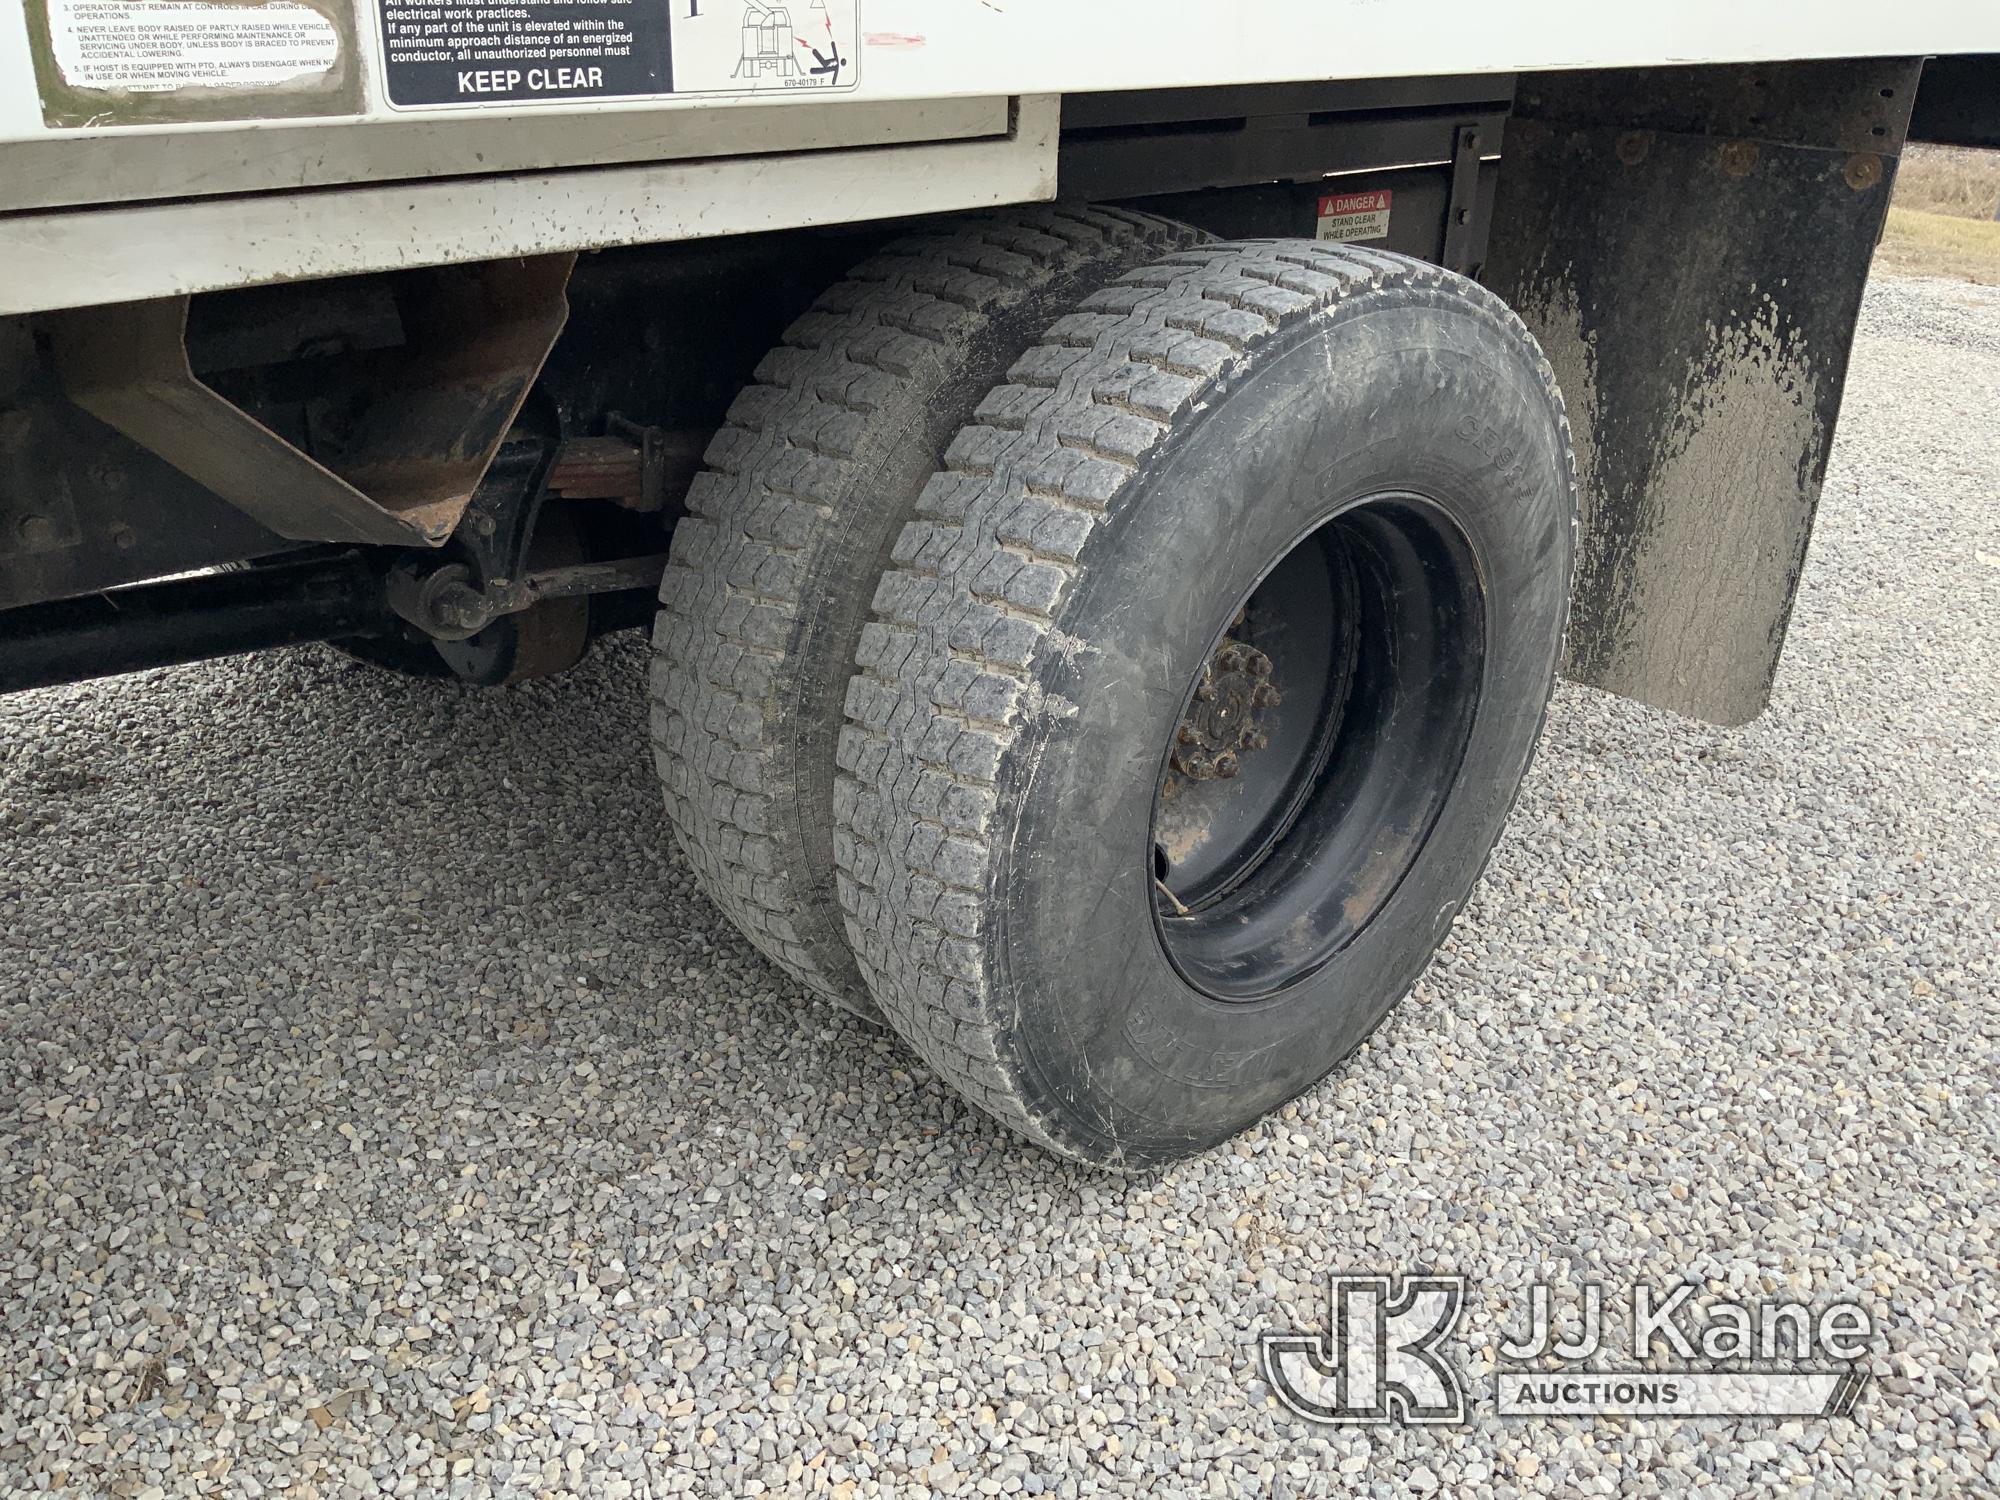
382,1112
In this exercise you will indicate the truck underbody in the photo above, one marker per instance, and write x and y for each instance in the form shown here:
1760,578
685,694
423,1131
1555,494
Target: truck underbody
1688,243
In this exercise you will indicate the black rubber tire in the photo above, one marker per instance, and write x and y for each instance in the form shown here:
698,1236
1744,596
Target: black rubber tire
789,528
1069,572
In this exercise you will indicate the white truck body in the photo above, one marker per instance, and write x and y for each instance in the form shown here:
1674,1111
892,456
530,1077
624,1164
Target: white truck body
262,142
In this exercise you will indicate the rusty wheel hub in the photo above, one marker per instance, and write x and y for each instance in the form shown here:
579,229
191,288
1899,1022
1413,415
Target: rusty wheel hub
1315,745
1222,723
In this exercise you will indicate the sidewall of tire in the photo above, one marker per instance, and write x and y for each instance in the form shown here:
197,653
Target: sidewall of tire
1429,393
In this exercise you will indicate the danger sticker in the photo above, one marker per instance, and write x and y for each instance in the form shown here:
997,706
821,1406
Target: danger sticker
1348,217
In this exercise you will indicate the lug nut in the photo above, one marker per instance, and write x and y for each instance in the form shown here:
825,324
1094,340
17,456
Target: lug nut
1260,665
1265,696
1225,764
458,607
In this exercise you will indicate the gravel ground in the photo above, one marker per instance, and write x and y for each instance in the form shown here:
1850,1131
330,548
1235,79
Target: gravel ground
382,1111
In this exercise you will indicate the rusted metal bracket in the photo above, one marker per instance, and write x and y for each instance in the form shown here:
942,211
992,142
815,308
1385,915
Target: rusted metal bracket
475,339
447,603
600,468
640,468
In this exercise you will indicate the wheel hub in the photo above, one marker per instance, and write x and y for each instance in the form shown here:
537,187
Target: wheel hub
1315,746
1222,724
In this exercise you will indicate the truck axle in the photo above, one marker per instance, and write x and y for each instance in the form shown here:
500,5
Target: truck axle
192,619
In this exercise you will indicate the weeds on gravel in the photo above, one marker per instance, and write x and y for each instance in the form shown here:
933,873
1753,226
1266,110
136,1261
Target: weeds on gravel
1945,218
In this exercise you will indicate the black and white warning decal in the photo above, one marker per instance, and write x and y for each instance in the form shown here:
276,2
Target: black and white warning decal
508,51
734,47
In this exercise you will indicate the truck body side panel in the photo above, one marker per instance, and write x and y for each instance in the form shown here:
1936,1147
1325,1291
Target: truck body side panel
74,258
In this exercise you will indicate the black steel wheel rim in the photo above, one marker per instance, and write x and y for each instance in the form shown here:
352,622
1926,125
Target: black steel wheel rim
1316,746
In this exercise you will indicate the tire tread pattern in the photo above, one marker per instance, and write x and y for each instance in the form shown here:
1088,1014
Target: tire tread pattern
748,563
946,675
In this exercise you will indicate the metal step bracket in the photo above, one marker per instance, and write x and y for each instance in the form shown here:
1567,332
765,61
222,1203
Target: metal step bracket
476,339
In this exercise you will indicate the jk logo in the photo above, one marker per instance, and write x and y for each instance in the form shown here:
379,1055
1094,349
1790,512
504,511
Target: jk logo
1378,1361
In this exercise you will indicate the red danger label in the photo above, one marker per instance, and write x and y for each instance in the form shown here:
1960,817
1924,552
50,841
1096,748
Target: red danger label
1335,204
1347,217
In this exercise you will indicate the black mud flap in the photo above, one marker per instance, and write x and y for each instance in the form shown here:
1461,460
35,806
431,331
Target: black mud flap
1690,245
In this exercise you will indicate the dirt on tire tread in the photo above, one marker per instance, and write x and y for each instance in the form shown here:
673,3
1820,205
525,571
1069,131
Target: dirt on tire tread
797,445
945,670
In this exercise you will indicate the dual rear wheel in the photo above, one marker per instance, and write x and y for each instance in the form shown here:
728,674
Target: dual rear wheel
1135,757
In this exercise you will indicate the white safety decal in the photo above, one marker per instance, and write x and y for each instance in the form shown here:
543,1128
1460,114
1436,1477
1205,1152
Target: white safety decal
158,46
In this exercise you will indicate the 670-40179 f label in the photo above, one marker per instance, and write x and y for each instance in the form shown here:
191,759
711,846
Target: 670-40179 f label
494,52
